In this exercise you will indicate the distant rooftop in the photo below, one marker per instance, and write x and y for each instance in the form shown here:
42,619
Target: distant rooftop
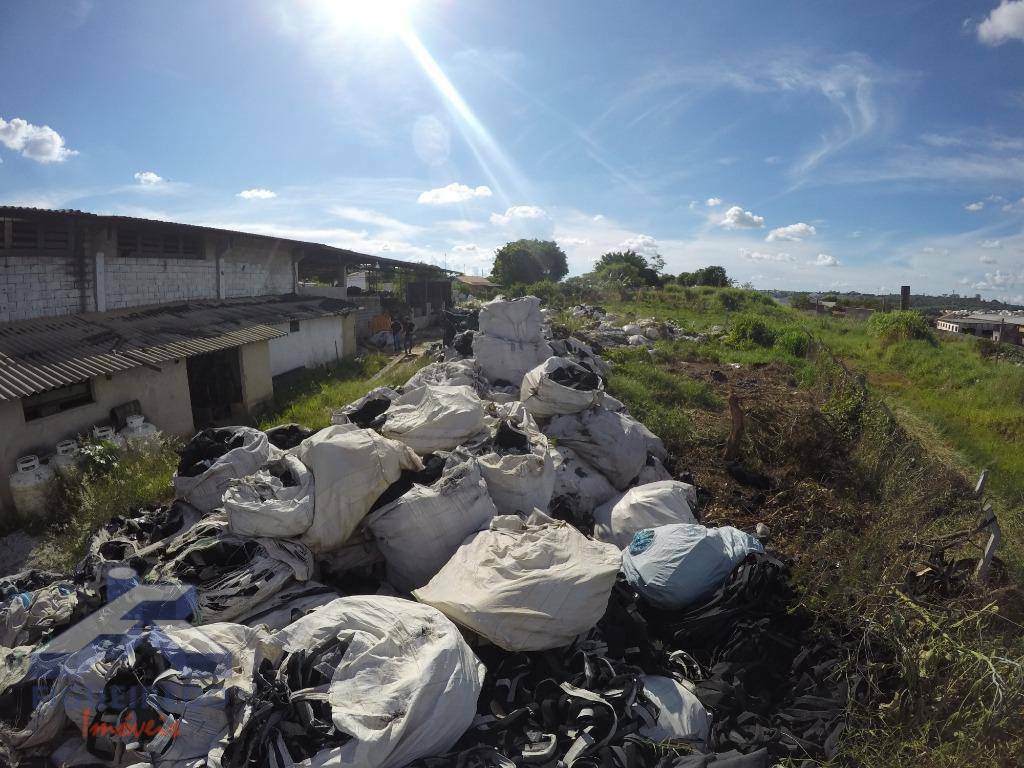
476,281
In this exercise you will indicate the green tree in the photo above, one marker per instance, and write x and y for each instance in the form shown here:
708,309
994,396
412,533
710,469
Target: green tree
713,276
529,261
628,269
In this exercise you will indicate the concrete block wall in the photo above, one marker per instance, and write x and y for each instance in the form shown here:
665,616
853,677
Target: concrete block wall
254,271
43,286
132,282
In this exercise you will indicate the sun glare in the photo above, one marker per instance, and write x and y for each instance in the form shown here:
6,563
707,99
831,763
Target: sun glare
378,18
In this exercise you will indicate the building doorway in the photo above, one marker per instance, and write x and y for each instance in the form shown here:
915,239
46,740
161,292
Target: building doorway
215,387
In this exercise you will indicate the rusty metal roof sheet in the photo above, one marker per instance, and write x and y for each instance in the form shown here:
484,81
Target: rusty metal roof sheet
38,355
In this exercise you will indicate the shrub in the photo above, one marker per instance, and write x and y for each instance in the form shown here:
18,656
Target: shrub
901,325
792,342
751,329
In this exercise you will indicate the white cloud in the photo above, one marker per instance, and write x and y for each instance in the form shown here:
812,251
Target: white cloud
453,193
257,193
773,159
791,232
711,202
466,248
1004,23
986,258
941,140
518,212
758,256
645,245
573,241
148,178
598,217
991,244
975,206
824,260
393,227
36,142
460,225
737,218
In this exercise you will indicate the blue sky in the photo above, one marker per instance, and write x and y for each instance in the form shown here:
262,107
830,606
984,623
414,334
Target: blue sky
855,145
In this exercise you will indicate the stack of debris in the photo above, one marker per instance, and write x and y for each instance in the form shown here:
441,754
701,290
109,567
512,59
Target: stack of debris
489,566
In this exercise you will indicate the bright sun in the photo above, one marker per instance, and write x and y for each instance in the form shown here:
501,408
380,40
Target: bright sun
382,18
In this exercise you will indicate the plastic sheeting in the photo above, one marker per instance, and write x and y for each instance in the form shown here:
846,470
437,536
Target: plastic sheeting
420,531
407,688
672,566
205,490
351,467
681,716
579,488
616,443
435,418
645,506
581,353
558,386
366,411
526,586
288,605
263,505
453,373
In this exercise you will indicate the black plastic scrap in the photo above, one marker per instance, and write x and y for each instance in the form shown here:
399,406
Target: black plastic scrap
463,343
200,453
510,438
368,415
576,377
433,467
287,436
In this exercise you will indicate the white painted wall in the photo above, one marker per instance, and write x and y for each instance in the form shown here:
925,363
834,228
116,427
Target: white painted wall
317,342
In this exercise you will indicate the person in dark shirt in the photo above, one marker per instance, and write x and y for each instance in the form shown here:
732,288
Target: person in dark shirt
396,333
409,327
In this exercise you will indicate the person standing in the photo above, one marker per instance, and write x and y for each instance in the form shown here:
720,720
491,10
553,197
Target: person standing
396,333
409,327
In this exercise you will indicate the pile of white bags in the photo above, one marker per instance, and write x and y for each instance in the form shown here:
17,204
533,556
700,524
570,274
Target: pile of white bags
645,506
453,373
559,386
435,418
672,566
510,341
681,716
580,352
27,617
351,467
420,531
519,481
579,488
200,697
288,605
366,409
204,491
408,686
262,505
526,586
615,442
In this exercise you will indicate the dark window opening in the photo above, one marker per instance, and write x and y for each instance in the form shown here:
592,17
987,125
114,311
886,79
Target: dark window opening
24,235
215,388
57,400
150,243
293,326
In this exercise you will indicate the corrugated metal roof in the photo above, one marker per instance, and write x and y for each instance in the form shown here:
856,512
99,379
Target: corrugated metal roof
38,355
475,280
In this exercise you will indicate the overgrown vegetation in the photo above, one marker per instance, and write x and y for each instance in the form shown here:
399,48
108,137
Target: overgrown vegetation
901,325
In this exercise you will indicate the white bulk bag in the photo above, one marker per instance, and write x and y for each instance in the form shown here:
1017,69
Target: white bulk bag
434,418
508,359
351,467
654,471
261,505
453,373
520,482
672,566
526,586
615,443
518,319
408,685
681,716
645,506
578,485
545,397
419,531
342,415
204,491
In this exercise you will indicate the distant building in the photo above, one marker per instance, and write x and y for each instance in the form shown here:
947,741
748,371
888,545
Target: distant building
188,324
989,325
466,286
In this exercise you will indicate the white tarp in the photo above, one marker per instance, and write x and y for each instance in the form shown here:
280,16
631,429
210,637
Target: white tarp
681,716
451,373
204,491
518,319
508,359
579,486
645,506
435,418
408,686
526,586
420,531
614,442
673,566
351,467
262,505
544,397
520,482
